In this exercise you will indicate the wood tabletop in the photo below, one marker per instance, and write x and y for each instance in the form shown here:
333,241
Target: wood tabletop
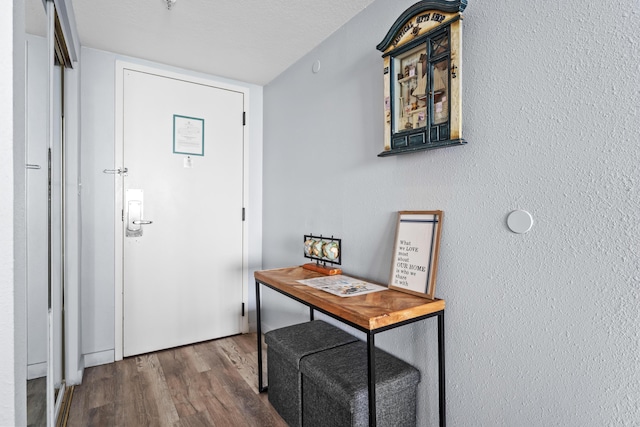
369,311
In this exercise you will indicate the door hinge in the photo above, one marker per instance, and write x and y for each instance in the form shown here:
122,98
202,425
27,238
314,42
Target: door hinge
242,309
122,215
243,214
244,118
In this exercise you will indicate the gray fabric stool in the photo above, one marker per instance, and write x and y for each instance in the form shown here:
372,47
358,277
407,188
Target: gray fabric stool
286,347
335,389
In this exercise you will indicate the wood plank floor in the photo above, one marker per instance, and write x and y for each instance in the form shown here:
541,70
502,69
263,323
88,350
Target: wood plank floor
37,402
213,383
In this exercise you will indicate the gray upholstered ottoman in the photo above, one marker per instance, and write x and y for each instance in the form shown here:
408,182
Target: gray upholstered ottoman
335,388
286,347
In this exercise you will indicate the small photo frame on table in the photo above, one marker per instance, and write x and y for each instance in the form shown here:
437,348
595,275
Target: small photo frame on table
415,256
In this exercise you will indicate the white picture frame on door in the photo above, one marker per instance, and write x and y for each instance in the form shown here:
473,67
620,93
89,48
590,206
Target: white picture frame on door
188,135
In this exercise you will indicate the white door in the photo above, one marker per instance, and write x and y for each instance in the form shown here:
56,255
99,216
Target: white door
182,212
37,137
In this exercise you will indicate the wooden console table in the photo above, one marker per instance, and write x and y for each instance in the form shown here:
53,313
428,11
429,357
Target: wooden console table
370,313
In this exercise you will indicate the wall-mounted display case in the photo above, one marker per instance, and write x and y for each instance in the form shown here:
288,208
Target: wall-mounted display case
422,78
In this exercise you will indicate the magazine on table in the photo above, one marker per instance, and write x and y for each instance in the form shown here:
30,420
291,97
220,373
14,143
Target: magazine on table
343,286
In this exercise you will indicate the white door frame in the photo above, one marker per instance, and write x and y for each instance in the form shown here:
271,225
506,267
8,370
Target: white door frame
118,224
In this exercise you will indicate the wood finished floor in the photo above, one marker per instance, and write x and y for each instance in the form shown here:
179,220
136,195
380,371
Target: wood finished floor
213,383
37,402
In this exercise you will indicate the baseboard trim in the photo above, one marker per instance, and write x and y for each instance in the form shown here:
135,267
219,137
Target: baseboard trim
99,358
36,370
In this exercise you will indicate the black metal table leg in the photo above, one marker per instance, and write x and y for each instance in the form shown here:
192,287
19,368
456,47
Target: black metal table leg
310,313
441,380
371,366
259,333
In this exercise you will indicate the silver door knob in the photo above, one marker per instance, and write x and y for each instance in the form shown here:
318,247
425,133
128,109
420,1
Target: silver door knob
142,222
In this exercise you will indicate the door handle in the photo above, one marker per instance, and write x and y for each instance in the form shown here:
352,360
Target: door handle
118,171
134,205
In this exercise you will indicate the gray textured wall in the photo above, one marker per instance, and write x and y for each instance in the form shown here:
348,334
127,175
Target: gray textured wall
542,328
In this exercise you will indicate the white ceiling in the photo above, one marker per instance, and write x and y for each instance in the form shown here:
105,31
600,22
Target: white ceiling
247,40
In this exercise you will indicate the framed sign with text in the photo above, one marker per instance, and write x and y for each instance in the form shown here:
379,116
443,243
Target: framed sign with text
415,255
188,135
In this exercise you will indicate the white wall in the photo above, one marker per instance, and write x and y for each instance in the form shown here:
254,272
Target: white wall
542,328
97,123
12,217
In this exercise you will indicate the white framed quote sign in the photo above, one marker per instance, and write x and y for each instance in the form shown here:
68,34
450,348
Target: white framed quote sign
415,255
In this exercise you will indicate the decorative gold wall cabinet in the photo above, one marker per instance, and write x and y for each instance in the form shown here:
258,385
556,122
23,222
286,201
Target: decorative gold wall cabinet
422,78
